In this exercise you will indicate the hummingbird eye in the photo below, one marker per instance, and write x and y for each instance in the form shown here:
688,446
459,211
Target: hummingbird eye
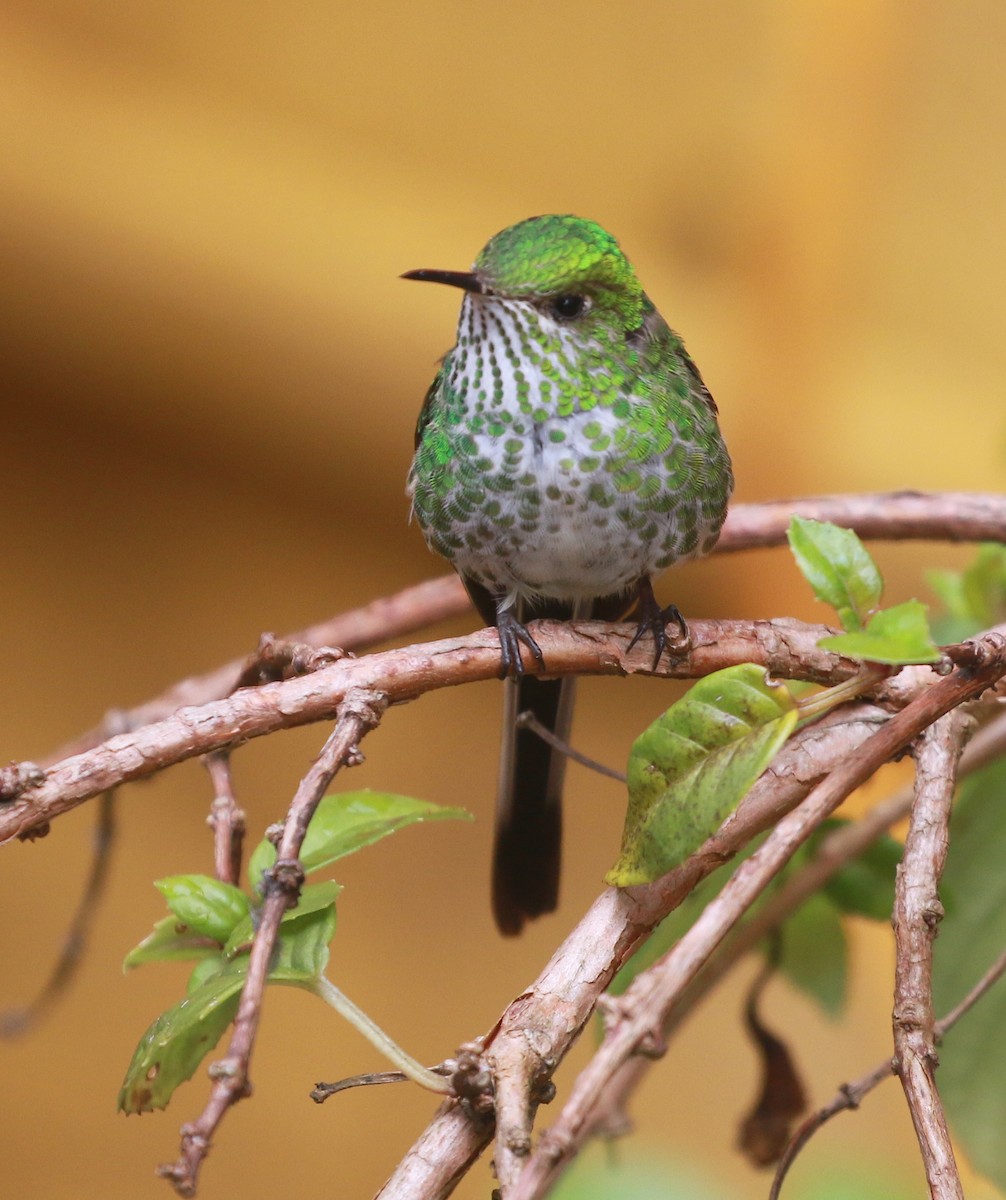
568,306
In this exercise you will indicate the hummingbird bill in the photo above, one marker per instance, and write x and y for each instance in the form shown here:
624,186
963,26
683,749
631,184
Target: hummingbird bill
567,451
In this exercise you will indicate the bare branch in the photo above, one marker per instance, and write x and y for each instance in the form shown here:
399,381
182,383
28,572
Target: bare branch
786,648
282,883
917,911
931,516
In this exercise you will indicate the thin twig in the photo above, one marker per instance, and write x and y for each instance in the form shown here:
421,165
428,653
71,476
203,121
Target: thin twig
360,712
226,819
917,911
644,1006
850,1095
15,1022
527,720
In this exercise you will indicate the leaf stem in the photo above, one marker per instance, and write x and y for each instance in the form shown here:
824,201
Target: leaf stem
342,1004
812,707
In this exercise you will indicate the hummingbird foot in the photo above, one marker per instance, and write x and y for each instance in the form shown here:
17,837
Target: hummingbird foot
512,635
654,620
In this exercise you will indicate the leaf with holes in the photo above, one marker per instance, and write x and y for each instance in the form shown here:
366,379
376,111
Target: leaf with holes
180,1038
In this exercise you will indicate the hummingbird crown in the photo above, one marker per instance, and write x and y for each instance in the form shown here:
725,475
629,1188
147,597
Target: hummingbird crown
572,261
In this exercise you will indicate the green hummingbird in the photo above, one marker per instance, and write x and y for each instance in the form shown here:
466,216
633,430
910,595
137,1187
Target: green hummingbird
567,450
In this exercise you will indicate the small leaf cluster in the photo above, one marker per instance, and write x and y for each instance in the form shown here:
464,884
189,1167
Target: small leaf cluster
842,573
213,923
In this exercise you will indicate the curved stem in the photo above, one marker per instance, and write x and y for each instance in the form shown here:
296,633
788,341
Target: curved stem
374,1034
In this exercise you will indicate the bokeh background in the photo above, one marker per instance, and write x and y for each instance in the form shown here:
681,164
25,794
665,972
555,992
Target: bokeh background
210,373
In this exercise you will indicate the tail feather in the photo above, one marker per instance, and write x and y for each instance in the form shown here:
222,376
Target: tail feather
528,849
528,846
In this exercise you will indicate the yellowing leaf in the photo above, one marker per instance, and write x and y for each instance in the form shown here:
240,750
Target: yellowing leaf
690,769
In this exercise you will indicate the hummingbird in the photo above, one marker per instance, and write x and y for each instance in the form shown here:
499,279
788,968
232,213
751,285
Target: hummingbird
567,451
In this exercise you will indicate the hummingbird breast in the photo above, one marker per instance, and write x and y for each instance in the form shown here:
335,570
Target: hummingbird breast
554,464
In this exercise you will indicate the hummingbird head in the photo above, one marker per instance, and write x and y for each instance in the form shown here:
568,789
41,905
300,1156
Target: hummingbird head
570,270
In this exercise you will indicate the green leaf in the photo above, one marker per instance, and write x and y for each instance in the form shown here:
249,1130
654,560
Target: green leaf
206,905
974,598
814,954
170,940
689,770
313,898
204,971
971,1079
304,947
898,635
838,567
349,821
865,886
176,1043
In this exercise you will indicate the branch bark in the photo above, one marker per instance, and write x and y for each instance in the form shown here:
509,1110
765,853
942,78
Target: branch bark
644,1006
917,912
785,648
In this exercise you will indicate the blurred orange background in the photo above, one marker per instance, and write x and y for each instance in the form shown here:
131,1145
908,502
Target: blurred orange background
210,375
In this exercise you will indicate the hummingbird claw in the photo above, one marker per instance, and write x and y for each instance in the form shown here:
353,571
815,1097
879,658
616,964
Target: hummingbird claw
512,635
654,620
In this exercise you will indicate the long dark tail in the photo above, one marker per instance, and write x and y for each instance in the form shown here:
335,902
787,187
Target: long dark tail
528,846
528,849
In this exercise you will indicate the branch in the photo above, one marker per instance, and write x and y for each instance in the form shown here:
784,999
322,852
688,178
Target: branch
226,819
850,1095
901,516
785,648
917,911
647,1002
838,849
946,516
549,1015
282,883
